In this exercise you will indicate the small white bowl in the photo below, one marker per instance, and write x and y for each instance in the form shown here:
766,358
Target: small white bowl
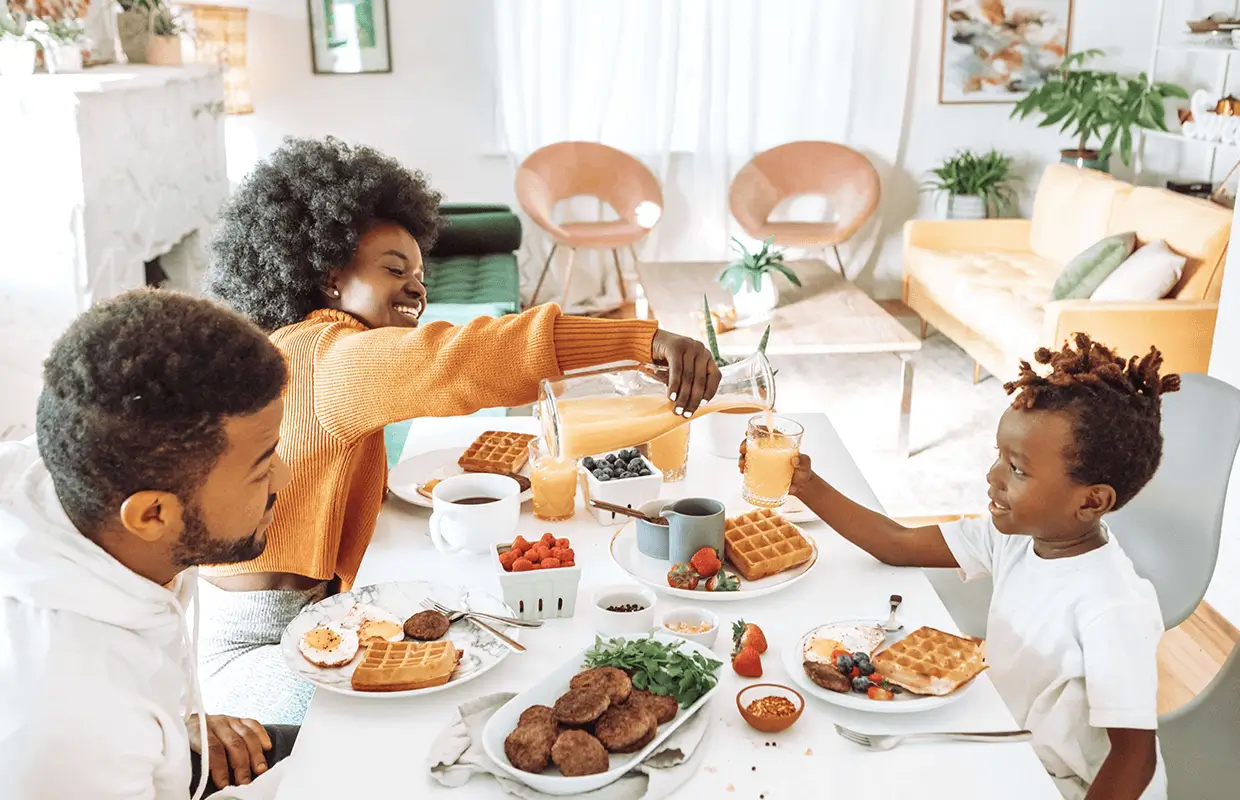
693,616
622,623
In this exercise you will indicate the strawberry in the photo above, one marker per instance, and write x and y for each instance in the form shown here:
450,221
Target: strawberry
522,565
879,693
706,562
683,576
746,634
747,663
520,545
723,581
548,540
549,563
562,543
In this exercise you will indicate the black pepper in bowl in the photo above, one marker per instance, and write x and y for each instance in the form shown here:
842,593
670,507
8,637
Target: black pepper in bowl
627,608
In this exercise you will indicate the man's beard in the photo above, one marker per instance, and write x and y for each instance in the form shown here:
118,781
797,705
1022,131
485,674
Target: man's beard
196,547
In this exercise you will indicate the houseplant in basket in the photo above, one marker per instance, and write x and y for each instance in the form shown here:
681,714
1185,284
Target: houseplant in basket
164,47
63,42
754,294
726,429
1098,109
976,185
18,46
133,25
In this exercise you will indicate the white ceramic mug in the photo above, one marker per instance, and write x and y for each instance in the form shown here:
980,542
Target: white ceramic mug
474,528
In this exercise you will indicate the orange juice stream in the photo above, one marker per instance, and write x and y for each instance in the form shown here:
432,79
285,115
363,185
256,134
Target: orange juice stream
594,425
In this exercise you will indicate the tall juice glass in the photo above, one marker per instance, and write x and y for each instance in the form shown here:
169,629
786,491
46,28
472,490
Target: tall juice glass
553,482
770,446
670,453
601,411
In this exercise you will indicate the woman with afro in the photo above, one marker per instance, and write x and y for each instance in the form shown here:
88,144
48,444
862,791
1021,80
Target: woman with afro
322,247
1073,631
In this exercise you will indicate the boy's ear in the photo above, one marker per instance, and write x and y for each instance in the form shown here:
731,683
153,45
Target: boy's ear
329,287
1099,499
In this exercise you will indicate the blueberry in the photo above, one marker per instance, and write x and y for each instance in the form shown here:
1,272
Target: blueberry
625,474
598,473
635,464
844,663
866,668
628,454
861,684
605,475
589,463
891,687
861,658
643,471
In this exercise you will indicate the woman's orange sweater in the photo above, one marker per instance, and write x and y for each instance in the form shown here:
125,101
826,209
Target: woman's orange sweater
346,382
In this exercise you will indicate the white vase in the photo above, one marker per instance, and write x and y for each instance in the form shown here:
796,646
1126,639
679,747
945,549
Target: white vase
751,304
17,57
63,58
966,206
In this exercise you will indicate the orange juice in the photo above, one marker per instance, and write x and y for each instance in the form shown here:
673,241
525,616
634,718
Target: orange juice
553,482
768,461
593,425
669,453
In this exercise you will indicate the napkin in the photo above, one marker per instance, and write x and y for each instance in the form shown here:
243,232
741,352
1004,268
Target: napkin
457,756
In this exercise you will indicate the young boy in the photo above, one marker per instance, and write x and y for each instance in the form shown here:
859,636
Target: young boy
1072,630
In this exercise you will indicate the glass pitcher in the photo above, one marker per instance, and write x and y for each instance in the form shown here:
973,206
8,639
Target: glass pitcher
590,413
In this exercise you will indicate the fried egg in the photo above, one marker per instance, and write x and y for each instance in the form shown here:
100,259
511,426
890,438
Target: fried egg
821,643
329,645
374,624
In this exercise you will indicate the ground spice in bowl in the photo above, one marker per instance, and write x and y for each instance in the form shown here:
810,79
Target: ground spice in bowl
772,706
770,713
627,608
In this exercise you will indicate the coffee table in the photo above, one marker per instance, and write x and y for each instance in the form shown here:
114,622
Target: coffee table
827,315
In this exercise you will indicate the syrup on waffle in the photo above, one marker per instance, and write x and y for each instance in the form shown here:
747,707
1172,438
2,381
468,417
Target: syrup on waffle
762,543
401,666
500,452
929,661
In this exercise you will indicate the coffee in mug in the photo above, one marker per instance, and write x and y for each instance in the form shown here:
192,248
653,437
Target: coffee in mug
474,512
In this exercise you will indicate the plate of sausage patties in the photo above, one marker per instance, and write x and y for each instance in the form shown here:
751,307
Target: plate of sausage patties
584,725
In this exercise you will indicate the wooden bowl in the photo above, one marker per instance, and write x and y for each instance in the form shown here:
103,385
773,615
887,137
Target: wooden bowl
769,724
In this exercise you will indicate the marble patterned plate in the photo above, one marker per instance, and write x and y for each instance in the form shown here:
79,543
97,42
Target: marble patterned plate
480,650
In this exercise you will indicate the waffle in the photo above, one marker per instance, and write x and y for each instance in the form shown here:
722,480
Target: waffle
401,666
929,661
499,452
761,543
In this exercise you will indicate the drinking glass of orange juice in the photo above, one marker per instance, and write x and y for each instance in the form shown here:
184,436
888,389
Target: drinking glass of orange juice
554,484
670,453
771,444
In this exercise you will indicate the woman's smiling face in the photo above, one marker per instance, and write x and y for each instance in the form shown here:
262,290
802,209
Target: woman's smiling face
382,286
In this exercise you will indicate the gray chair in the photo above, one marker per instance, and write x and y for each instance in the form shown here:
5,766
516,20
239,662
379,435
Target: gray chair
1200,741
1171,529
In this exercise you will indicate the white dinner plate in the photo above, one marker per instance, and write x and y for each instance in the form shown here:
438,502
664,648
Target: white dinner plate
405,478
904,703
653,571
480,651
545,692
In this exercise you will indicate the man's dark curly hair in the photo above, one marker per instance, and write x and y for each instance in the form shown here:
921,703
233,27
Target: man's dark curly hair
1116,408
299,215
136,394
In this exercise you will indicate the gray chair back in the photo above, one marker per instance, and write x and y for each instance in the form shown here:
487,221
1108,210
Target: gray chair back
1200,741
1171,529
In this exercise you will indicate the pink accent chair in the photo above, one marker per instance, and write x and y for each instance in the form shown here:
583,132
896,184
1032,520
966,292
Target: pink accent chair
845,177
568,169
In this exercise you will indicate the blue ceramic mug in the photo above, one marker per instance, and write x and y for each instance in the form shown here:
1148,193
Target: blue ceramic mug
652,540
696,522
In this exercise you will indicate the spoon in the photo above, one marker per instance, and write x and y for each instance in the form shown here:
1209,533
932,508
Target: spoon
890,625
628,512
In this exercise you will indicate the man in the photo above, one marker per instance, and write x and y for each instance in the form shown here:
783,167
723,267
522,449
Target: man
156,437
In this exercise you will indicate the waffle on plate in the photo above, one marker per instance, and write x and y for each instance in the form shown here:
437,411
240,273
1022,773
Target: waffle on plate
401,666
501,452
929,661
761,543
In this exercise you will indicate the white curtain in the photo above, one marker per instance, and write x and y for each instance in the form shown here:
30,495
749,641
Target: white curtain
695,88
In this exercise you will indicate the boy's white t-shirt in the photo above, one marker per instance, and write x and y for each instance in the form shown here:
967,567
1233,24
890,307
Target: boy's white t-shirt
1072,646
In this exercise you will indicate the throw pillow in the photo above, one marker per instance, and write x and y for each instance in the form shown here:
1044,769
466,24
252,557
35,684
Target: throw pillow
1085,273
1146,275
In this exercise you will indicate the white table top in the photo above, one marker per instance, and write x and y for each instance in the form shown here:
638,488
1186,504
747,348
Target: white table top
380,746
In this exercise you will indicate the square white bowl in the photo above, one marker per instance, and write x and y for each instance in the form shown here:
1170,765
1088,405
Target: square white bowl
630,492
539,593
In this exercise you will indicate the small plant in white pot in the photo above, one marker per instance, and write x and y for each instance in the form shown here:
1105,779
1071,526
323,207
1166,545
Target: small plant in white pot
975,185
754,293
726,429
18,46
63,42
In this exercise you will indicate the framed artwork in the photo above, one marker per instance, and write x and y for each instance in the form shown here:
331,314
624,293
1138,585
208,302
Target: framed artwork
349,37
996,51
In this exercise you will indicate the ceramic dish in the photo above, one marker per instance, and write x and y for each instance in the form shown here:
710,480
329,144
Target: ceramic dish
408,475
481,651
692,616
620,623
545,692
903,703
653,572
769,724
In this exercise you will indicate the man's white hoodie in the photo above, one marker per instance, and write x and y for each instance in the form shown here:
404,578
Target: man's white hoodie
97,663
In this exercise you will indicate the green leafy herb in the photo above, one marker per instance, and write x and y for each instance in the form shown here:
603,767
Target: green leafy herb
658,667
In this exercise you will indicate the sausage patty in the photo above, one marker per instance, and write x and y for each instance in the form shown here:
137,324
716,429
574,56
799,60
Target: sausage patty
608,680
580,707
538,715
529,747
663,706
626,729
578,753
426,626
828,677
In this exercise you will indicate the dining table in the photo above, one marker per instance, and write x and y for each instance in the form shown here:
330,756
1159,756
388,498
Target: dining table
380,746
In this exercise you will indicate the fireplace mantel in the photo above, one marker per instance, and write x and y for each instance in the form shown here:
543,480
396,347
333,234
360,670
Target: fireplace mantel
100,172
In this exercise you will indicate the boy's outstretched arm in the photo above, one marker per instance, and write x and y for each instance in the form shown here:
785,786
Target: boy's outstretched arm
882,537
1128,768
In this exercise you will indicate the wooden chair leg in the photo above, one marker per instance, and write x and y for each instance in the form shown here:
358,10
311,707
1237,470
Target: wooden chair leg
624,292
568,276
542,275
977,373
925,331
839,261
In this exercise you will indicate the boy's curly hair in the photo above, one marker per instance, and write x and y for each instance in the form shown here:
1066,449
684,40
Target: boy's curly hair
1116,408
299,215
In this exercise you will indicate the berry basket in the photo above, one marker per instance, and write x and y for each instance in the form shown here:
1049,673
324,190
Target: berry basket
539,593
632,492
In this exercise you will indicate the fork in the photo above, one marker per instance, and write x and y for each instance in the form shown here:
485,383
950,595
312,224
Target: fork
456,616
890,626
435,605
885,741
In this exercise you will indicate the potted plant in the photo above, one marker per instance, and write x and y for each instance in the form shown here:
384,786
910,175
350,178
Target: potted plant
18,48
164,47
133,25
726,429
753,296
1100,108
975,185
63,41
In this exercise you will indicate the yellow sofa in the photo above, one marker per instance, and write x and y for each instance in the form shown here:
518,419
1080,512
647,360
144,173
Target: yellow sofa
986,284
